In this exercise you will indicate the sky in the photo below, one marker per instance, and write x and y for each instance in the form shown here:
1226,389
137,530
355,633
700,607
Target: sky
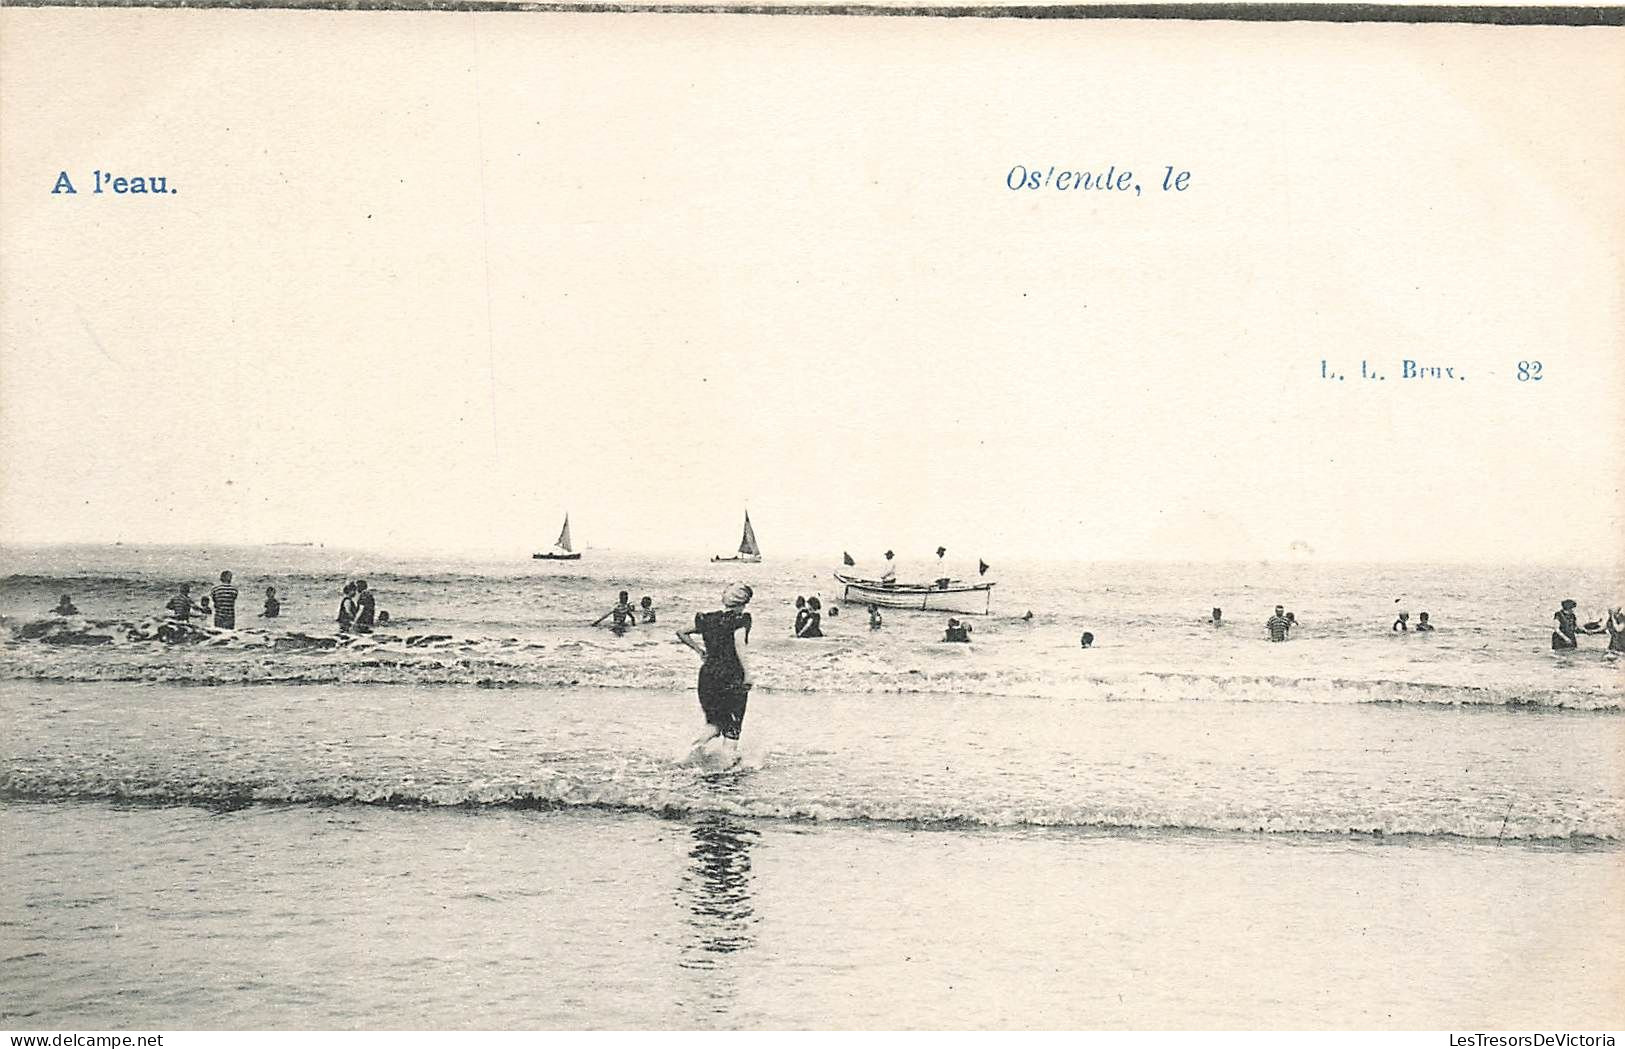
429,282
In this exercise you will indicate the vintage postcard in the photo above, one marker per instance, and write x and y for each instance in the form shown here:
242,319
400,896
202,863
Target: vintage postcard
857,519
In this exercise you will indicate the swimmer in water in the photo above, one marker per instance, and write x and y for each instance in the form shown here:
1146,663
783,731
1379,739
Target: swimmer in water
1087,640
725,674
874,617
1422,624
957,631
1218,617
1402,624
65,607
801,616
273,607
623,614
646,610
383,619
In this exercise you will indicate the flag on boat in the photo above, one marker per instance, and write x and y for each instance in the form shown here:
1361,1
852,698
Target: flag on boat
846,559
982,567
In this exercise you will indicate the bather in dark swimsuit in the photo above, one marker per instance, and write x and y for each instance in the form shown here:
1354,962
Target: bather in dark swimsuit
723,691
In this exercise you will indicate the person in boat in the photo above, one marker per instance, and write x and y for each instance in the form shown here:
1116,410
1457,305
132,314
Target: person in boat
1087,640
812,625
347,608
957,631
1278,625
180,606
1422,624
623,614
646,610
801,616
65,607
1218,617
888,575
1402,624
273,607
725,673
874,617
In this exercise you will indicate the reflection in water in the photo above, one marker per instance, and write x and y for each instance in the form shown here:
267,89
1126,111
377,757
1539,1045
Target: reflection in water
715,892
716,888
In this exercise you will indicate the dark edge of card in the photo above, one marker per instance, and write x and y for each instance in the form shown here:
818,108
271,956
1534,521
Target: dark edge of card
1467,14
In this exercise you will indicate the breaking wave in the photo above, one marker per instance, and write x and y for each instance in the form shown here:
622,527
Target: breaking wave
159,652
687,800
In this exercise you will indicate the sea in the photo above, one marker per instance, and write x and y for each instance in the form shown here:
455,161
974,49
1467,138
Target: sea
487,815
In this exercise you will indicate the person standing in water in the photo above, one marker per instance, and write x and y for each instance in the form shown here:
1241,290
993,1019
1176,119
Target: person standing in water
1278,624
224,597
623,612
347,607
874,617
180,606
1218,617
65,607
273,607
810,623
1422,624
1615,625
366,607
725,674
1564,637
646,610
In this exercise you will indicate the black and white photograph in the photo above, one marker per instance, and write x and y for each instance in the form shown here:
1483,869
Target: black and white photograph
519,518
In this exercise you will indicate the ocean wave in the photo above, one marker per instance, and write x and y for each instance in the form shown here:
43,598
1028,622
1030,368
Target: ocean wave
453,670
564,795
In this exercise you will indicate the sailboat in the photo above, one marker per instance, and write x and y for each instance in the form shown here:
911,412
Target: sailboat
748,550
562,551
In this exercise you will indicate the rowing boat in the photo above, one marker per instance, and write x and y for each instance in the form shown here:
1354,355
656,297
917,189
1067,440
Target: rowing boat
945,595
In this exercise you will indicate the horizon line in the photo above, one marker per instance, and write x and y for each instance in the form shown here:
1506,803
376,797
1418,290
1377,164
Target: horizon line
496,555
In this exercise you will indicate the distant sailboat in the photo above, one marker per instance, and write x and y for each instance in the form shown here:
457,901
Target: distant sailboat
562,550
748,550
